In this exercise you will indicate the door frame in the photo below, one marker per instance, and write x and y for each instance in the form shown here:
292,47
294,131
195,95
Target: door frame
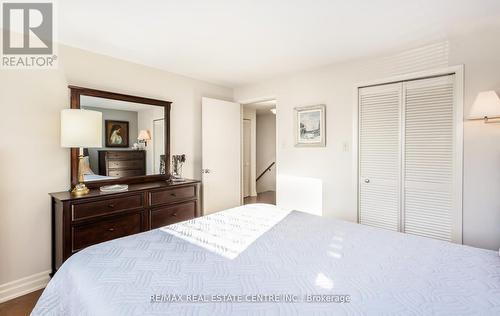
249,180
458,71
242,103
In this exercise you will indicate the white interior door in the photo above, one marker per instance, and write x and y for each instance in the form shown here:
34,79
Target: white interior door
380,156
247,150
221,150
431,206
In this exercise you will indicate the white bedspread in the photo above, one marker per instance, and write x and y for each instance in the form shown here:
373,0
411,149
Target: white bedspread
371,271
230,232
96,177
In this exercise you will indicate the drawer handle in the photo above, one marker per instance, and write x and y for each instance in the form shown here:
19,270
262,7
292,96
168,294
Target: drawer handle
173,194
111,205
174,215
111,229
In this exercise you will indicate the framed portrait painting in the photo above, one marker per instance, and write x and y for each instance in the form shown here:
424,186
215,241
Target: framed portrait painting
116,133
310,129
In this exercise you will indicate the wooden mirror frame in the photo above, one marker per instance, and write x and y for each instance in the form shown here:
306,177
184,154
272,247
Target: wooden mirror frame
75,94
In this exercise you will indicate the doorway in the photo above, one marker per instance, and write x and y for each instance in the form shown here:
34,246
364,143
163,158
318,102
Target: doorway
247,157
259,152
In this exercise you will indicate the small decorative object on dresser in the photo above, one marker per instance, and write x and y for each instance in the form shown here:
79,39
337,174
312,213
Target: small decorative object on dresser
177,162
309,127
79,222
114,188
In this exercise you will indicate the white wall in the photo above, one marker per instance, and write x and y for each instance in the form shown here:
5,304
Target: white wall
32,163
266,151
333,166
481,218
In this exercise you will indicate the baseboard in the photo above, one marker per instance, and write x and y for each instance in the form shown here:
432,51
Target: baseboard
23,286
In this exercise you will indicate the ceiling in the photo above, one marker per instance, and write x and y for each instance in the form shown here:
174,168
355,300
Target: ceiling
102,103
236,42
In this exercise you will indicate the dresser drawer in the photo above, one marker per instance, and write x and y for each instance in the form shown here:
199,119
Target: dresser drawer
172,195
104,230
172,214
106,206
126,173
126,164
125,155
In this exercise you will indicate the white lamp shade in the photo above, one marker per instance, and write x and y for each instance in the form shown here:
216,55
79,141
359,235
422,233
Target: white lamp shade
487,104
144,135
81,128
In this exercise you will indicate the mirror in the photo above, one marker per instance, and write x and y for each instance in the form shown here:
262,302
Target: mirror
135,134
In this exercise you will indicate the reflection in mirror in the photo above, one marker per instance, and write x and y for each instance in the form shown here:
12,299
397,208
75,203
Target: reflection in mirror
158,145
133,140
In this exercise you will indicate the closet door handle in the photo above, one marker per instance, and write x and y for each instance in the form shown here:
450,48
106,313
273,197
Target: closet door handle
367,180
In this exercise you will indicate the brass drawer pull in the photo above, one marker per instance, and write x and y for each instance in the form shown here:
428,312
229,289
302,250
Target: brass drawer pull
174,215
111,229
111,205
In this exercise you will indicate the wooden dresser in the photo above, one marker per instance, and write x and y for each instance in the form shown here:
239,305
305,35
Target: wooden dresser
122,163
79,222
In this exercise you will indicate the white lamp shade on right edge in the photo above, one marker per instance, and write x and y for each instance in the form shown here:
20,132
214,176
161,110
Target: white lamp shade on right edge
486,105
81,128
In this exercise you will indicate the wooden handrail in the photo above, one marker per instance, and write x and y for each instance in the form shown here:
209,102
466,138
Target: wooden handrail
265,170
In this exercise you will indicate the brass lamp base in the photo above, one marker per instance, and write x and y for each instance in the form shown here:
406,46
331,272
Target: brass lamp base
80,189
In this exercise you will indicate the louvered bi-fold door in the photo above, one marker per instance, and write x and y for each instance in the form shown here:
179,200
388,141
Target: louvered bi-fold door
428,161
380,155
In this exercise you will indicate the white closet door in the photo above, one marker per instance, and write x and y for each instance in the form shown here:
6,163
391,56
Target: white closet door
428,164
380,155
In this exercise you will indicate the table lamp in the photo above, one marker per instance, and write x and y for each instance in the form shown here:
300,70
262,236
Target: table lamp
143,137
81,129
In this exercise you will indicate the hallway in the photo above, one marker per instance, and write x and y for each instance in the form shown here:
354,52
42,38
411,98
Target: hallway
268,197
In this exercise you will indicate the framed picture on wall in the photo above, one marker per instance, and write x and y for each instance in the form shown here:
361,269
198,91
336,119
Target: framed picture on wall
309,126
116,133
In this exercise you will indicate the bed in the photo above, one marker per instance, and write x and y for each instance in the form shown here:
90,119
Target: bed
96,177
259,259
